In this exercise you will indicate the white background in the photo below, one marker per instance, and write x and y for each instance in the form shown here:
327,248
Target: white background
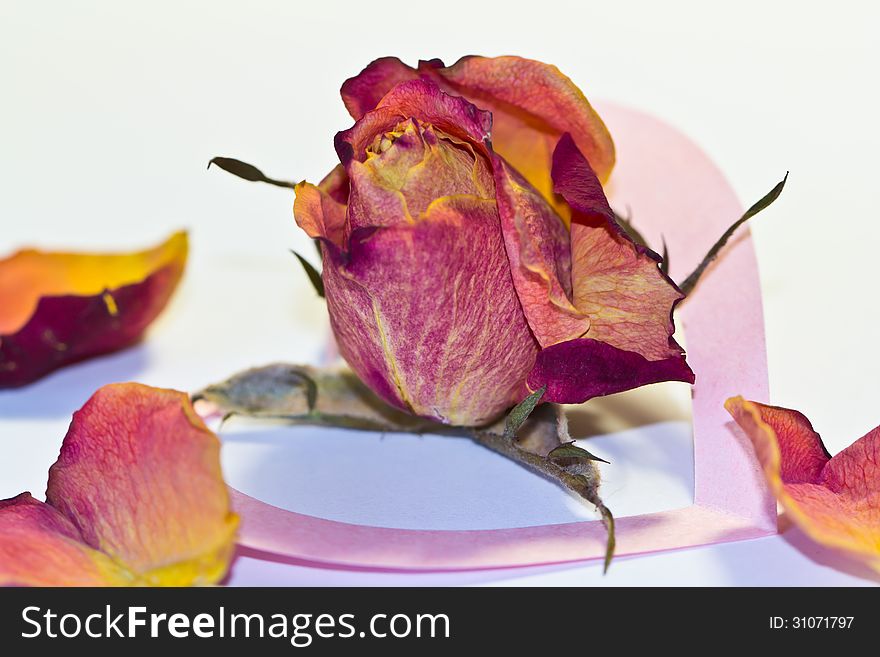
109,112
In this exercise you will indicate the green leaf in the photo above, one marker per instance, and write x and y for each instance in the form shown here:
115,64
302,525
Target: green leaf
311,391
626,224
568,452
664,264
313,274
520,413
638,238
691,281
611,541
247,171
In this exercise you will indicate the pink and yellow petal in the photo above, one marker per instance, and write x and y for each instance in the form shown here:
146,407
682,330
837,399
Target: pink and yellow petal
617,286
421,293
60,308
335,184
364,91
533,104
359,335
373,203
424,101
836,501
447,167
451,113
40,547
139,477
615,282
539,253
406,169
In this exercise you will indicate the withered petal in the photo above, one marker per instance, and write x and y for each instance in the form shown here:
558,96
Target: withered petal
532,103
408,306
139,477
60,308
615,281
364,91
578,370
421,99
835,500
40,547
539,251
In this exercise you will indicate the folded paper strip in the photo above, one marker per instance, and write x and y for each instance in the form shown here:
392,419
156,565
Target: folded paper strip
136,498
835,500
672,187
60,308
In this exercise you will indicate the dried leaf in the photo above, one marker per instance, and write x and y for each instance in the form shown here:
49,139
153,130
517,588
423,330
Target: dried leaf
691,281
664,264
608,521
569,453
313,274
309,395
247,171
520,413
626,224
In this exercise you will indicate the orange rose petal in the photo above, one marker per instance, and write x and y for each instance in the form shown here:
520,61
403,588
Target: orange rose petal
318,214
40,547
139,477
59,308
336,185
835,500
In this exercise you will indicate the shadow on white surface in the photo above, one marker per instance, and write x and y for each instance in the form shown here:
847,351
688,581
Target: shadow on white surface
392,480
824,556
438,482
64,391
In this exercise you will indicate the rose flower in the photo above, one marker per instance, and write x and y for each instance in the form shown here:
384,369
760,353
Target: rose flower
470,254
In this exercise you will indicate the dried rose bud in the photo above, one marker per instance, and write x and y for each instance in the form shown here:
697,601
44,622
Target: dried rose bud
457,284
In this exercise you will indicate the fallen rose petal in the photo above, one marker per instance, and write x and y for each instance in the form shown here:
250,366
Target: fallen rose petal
60,308
40,547
135,497
139,475
835,500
